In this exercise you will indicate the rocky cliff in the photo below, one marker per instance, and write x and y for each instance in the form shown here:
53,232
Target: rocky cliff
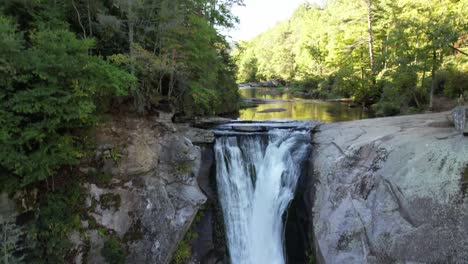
153,194
391,190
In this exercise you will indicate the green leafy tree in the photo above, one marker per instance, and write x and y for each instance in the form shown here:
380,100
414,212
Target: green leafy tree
362,49
48,91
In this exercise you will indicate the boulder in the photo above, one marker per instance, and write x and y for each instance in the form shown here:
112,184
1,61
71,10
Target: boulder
244,85
459,116
390,190
196,135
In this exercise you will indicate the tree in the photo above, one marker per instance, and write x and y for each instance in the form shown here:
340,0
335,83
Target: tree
48,91
360,49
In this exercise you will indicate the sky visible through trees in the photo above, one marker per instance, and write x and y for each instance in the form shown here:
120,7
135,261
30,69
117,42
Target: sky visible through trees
257,16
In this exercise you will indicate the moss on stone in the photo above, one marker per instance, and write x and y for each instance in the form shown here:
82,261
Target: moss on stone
110,200
101,179
184,167
184,249
113,154
310,258
183,253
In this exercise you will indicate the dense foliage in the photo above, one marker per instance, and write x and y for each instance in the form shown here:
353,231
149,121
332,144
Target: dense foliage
62,63
65,64
48,90
396,53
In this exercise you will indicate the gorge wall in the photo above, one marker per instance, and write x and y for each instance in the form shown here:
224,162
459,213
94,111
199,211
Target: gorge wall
141,192
154,181
389,190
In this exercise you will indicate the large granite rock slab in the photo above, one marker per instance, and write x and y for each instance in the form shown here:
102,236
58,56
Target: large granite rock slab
391,190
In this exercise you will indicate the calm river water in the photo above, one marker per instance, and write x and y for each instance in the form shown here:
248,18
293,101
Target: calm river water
299,109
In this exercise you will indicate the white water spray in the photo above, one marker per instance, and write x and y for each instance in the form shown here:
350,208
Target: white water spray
257,176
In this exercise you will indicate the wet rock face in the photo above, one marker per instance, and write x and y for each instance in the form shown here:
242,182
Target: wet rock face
209,246
390,190
153,195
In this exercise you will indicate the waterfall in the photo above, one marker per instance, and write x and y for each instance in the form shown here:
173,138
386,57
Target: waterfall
257,175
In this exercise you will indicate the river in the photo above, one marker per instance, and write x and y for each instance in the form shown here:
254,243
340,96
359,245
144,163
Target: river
295,107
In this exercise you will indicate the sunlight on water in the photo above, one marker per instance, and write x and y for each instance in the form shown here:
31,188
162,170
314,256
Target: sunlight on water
299,109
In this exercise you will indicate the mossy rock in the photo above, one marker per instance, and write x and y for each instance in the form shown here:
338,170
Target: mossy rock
110,200
184,167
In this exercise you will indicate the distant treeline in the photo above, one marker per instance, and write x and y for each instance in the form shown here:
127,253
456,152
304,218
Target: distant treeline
395,55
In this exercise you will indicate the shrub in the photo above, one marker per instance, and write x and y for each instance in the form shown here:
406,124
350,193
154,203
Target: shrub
58,214
387,109
455,72
112,251
399,91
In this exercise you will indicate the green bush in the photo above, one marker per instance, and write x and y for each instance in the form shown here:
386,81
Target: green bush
58,214
455,73
112,251
387,109
399,91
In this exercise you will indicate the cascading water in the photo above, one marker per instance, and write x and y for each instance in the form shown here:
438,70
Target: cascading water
257,175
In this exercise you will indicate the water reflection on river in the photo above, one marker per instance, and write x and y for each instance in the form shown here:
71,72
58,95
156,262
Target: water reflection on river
299,109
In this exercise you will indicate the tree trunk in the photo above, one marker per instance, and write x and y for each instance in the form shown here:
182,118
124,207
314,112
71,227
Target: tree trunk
371,39
212,11
79,18
385,49
433,79
130,36
172,76
89,20
90,26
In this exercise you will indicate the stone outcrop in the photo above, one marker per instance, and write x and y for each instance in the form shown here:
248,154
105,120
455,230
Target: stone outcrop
391,190
459,117
153,195
142,190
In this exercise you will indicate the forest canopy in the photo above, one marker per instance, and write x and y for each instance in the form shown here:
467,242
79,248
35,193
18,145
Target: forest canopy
398,54
63,64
